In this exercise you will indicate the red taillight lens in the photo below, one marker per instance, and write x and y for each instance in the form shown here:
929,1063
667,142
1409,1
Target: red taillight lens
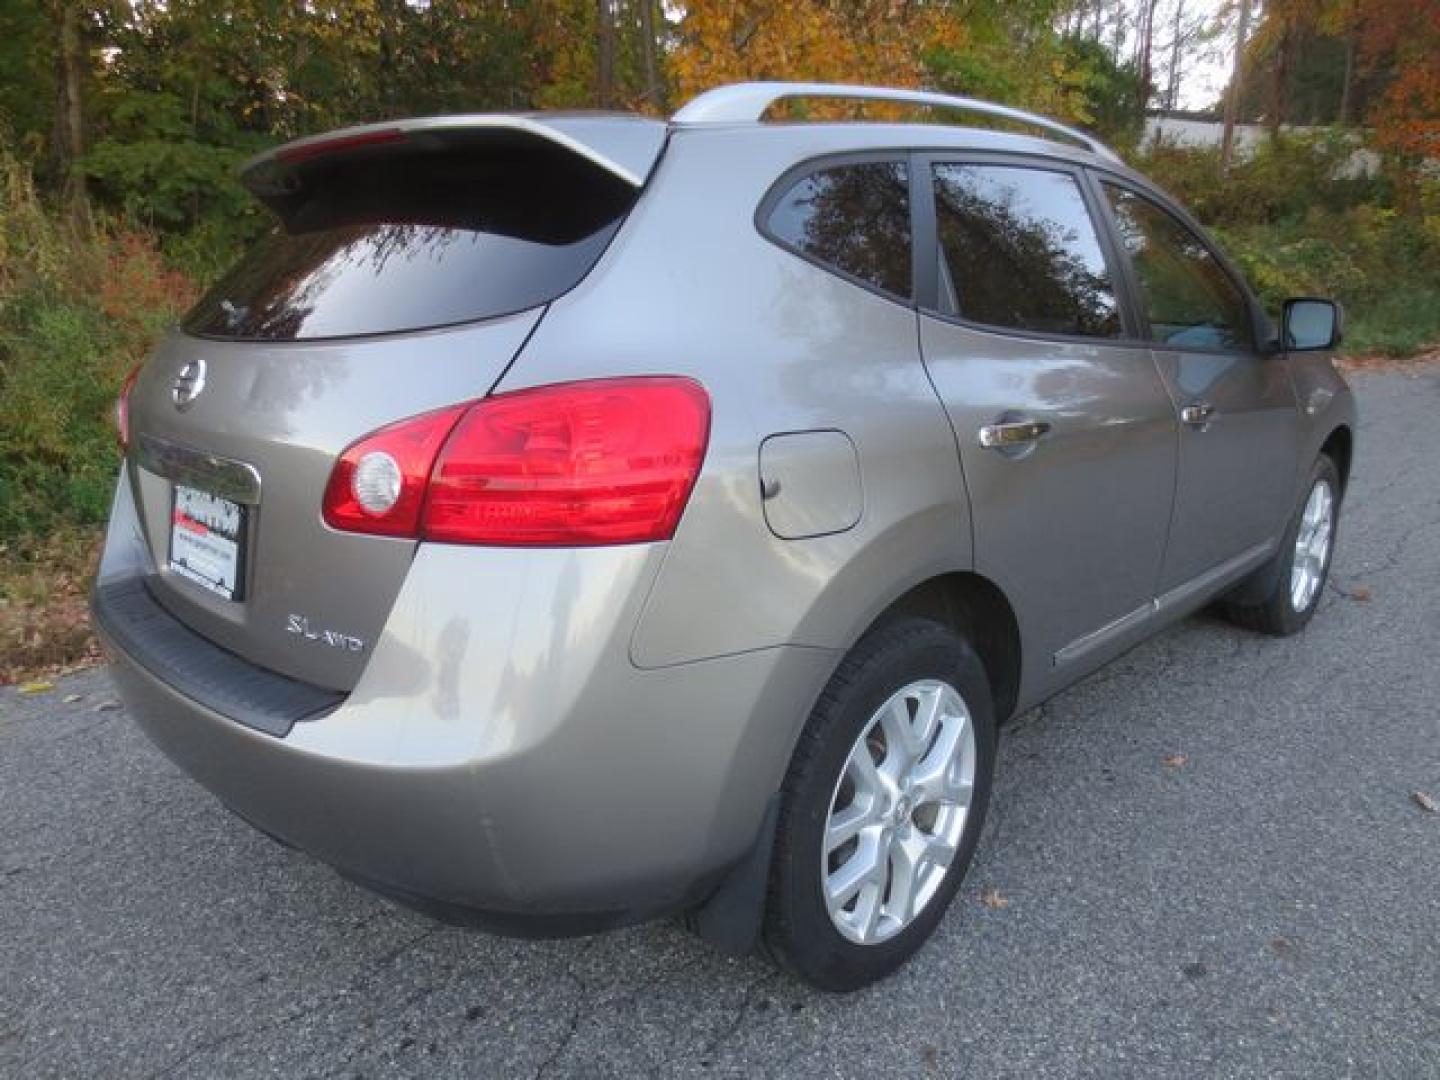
411,446
122,408
610,461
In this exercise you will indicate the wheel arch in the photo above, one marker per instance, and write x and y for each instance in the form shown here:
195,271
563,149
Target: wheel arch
975,607
1339,447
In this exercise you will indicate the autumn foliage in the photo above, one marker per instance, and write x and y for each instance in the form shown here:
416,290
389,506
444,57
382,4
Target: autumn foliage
882,42
1404,35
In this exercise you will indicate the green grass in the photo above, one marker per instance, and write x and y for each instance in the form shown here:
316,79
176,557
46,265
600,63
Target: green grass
1399,322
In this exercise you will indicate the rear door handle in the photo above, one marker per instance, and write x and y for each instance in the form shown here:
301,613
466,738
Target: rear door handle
1199,414
1012,433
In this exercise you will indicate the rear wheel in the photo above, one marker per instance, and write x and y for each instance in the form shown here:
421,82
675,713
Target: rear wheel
882,807
1297,574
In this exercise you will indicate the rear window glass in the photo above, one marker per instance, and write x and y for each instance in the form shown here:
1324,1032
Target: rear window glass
851,218
1019,250
415,237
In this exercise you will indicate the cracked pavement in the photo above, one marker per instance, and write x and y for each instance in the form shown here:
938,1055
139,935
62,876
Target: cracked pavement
1268,907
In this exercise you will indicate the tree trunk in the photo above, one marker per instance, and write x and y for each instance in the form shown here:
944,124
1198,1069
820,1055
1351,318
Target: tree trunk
1344,118
1147,45
1237,82
1172,91
1280,80
650,48
605,54
69,137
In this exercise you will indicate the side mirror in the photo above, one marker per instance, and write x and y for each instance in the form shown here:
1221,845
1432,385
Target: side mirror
1311,325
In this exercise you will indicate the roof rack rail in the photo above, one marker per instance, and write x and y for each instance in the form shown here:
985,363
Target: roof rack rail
746,102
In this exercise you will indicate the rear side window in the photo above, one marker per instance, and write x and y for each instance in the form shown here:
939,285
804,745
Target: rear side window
1189,298
416,236
851,218
1018,250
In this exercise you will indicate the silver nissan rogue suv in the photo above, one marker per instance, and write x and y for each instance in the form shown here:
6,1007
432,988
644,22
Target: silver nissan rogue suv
559,521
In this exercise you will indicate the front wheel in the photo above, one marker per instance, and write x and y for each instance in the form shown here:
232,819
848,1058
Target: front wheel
1296,576
883,806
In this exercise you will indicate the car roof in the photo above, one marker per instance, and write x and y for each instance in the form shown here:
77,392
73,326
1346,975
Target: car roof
840,136
628,145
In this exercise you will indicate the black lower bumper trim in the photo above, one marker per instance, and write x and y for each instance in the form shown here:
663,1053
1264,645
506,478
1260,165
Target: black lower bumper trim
198,668
505,923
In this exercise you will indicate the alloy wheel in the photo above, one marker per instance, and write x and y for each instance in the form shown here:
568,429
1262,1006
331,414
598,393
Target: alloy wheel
898,811
1312,546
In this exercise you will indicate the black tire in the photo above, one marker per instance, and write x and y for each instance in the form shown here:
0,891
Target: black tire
799,933
1263,603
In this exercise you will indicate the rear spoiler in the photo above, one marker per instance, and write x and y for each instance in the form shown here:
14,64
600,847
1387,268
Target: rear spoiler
624,146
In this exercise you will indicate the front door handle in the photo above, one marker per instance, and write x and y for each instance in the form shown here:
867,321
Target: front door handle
1012,433
1199,414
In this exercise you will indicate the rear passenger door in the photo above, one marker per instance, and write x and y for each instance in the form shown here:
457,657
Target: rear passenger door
1240,428
1066,435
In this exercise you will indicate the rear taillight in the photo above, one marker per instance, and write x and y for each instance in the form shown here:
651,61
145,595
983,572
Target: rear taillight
378,485
609,461
122,409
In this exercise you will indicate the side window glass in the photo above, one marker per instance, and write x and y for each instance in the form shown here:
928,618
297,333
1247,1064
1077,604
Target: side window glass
1019,250
1189,299
851,218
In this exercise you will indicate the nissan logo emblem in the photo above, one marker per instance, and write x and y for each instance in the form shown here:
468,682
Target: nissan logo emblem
188,383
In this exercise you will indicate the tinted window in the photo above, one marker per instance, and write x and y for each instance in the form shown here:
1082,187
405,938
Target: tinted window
1189,298
854,218
415,238
1018,249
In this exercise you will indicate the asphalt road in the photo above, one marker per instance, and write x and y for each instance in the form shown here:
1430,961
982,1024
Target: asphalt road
1267,903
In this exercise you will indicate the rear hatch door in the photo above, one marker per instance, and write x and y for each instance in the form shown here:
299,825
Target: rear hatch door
406,271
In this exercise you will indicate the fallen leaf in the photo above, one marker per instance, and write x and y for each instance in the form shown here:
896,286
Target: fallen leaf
107,706
70,699
1283,947
994,899
38,686
1360,593
1175,761
1425,802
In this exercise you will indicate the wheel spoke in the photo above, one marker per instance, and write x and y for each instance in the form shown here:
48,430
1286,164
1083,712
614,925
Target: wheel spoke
867,910
927,720
846,824
863,867
911,856
899,731
939,851
862,772
906,861
934,778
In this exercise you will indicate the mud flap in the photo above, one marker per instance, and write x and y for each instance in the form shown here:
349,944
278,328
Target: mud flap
732,917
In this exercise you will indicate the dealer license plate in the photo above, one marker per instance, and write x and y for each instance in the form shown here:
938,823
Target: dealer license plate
207,541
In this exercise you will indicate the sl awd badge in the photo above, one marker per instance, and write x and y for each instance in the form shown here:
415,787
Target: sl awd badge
301,627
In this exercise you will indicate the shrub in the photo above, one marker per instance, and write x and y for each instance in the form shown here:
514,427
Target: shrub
78,309
1280,182
1299,222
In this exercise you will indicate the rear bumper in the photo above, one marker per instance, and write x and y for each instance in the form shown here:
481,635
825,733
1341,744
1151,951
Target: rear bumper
501,759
